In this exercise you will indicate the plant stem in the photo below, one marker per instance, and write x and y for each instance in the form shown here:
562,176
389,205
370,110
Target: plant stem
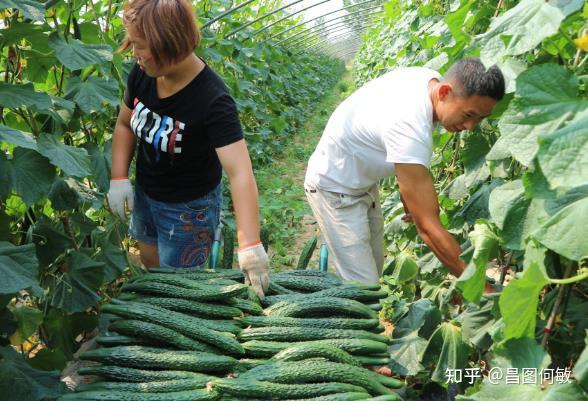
555,310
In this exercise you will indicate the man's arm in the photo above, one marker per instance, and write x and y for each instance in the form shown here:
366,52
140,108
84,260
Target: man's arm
420,198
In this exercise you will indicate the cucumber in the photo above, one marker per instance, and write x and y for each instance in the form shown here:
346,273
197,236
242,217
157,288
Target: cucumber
208,293
125,374
305,334
330,397
249,363
346,291
306,253
263,349
317,371
245,305
228,247
135,356
304,351
195,308
164,386
159,334
114,340
275,289
202,274
325,323
304,284
321,306
191,395
197,329
278,391
373,360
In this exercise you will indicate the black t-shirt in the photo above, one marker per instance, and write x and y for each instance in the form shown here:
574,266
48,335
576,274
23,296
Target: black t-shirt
177,135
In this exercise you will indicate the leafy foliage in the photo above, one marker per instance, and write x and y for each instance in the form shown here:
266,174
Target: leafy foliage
513,192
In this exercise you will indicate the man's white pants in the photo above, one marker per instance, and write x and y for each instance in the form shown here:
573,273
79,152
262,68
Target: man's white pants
353,228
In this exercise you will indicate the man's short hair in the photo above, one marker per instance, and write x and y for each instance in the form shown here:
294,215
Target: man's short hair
475,79
168,26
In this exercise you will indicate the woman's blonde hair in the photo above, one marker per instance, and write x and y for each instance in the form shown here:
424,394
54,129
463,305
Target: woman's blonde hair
168,26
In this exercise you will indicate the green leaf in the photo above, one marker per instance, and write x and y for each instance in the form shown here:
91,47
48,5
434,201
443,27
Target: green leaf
18,138
30,8
562,154
406,268
48,360
422,318
90,94
525,392
515,214
76,55
28,320
522,28
581,368
405,354
473,279
18,268
567,230
549,88
477,205
5,176
62,196
101,160
519,312
523,354
446,350
32,175
111,255
76,290
73,161
20,382
15,96
476,321
51,242
62,329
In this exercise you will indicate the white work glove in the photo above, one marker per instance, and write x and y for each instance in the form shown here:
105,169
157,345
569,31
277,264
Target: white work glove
254,263
120,192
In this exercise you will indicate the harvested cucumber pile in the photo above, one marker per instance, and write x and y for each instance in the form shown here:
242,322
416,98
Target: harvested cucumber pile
204,335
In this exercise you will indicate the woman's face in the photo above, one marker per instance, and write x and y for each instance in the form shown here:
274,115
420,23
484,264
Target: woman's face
142,53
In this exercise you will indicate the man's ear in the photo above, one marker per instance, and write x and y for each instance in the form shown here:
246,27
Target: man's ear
445,89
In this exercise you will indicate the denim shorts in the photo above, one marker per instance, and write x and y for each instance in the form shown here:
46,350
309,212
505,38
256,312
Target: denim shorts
183,231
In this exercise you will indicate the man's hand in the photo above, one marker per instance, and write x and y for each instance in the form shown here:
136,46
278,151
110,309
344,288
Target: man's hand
120,192
254,263
407,218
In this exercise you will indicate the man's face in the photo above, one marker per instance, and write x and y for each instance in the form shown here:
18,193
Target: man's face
457,113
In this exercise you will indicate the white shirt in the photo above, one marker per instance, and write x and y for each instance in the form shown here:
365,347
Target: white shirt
388,120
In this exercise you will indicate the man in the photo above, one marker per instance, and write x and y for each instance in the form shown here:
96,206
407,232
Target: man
385,128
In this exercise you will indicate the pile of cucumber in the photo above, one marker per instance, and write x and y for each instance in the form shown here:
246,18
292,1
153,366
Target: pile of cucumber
203,335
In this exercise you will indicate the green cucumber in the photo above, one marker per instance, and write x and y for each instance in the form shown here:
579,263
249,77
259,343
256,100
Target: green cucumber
306,253
207,293
195,328
309,350
164,386
245,305
325,323
317,371
344,291
305,334
304,284
135,356
112,340
268,390
354,346
159,334
191,395
125,374
195,308
321,306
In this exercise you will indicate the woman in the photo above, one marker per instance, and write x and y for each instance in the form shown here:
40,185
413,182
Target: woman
188,130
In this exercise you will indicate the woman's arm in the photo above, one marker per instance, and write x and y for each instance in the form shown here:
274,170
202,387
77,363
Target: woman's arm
253,260
235,161
123,143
